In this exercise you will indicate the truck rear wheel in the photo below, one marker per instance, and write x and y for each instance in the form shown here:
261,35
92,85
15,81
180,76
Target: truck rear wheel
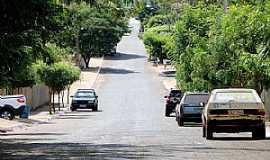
7,114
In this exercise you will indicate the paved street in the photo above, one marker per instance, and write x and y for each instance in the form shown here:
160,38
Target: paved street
130,124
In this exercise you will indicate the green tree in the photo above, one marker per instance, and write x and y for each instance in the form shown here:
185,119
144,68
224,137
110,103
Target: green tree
58,76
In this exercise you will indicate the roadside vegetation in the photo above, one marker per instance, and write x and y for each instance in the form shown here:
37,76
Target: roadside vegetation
40,41
211,46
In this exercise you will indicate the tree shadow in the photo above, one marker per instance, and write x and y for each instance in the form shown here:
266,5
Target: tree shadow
86,110
124,56
73,117
108,70
32,134
90,69
26,149
22,150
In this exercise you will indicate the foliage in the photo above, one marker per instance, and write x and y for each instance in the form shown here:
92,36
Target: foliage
98,29
214,49
155,40
59,75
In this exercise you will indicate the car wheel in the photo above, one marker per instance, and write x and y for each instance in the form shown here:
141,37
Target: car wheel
259,133
73,109
180,121
7,114
95,108
167,112
209,132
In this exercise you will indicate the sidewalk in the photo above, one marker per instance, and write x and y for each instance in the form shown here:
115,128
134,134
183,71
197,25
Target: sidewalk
168,82
41,115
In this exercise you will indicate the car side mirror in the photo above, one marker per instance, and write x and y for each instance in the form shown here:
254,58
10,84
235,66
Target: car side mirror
166,96
71,96
202,104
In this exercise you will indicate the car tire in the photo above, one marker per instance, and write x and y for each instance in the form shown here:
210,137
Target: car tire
259,133
167,112
208,133
73,109
95,108
7,114
180,121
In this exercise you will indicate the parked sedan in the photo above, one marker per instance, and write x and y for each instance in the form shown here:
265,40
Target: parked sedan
84,99
190,107
233,111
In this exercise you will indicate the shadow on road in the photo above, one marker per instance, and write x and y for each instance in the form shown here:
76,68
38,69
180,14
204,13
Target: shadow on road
85,110
17,150
108,70
32,134
124,56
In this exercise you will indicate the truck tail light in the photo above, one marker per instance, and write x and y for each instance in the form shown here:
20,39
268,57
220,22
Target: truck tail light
20,100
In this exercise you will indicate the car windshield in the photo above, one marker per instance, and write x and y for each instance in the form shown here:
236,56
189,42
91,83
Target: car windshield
85,94
175,93
235,96
196,99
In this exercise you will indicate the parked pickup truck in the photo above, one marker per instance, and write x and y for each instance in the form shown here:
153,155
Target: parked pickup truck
13,105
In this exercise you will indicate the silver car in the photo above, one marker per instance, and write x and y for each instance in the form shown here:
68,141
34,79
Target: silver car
190,107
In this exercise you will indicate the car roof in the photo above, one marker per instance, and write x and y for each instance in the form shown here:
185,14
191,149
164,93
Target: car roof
89,90
230,90
196,93
233,90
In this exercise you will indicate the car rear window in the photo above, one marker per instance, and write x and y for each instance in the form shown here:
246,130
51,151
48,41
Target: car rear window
196,98
85,94
175,93
235,96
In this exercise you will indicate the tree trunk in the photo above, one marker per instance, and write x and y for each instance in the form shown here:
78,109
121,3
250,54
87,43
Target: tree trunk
53,106
86,61
63,94
59,101
50,102
68,93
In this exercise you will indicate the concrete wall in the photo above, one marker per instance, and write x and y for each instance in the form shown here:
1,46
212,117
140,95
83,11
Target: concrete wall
35,97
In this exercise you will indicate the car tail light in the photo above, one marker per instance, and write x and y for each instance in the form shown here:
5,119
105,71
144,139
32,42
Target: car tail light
219,111
21,100
168,99
254,111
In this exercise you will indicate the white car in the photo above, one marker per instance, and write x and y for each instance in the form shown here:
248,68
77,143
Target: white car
12,105
233,111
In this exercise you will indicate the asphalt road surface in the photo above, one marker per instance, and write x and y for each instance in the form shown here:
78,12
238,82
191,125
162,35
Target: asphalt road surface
130,124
